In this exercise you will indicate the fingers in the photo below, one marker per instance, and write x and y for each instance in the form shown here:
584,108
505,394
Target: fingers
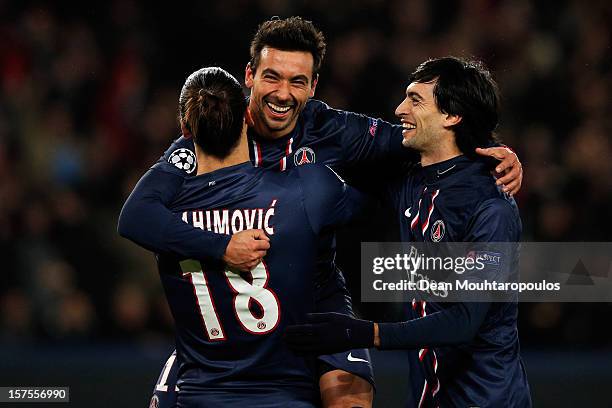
320,317
508,161
298,330
513,178
499,153
513,187
259,245
251,265
245,266
246,249
489,151
300,344
510,168
512,174
503,154
259,234
304,338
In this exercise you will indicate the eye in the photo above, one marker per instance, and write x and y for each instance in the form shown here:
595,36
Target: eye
299,82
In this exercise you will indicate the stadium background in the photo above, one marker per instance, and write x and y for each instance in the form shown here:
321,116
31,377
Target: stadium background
88,98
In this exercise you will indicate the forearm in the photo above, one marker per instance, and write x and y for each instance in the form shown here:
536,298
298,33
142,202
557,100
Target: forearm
455,325
147,221
331,293
157,229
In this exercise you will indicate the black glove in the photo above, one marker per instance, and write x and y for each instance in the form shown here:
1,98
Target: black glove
329,333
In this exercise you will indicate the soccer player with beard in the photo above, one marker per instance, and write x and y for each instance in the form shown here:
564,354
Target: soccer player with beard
287,129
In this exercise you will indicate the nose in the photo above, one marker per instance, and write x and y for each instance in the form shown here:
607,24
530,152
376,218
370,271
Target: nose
283,92
403,108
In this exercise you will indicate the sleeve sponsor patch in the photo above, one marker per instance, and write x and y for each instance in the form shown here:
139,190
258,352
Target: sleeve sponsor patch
489,258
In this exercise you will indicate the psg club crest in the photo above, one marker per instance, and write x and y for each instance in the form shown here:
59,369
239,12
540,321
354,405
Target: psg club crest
304,155
183,159
437,231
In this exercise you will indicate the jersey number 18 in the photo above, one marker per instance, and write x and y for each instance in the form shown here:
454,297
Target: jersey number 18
244,294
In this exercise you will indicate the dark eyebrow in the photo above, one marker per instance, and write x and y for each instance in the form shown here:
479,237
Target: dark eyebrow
278,75
415,95
270,71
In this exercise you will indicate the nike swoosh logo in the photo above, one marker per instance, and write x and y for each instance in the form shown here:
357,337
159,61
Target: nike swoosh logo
442,172
407,212
355,359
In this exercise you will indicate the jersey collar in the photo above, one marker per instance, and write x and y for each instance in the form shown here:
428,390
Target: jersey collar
439,171
237,169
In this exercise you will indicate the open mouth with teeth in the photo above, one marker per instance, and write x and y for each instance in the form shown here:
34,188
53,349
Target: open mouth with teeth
408,127
277,110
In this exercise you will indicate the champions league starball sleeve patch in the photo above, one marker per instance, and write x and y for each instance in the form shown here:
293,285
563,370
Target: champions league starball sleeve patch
183,159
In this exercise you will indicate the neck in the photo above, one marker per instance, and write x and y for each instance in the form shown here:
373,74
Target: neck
445,149
208,163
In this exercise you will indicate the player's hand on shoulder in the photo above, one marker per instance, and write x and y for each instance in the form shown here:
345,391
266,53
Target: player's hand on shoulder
509,171
246,249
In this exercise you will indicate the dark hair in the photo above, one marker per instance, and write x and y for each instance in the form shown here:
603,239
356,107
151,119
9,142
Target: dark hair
464,88
212,107
290,34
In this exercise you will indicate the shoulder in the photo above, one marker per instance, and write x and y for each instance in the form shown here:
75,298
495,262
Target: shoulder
490,199
321,113
499,207
351,124
179,158
320,109
319,182
497,219
487,213
315,107
318,173
471,185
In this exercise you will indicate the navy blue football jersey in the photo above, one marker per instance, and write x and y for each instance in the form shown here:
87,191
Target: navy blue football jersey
330,136
457,201
337,138
229,325
322,135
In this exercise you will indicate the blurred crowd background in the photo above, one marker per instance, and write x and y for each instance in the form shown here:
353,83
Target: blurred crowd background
88,99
